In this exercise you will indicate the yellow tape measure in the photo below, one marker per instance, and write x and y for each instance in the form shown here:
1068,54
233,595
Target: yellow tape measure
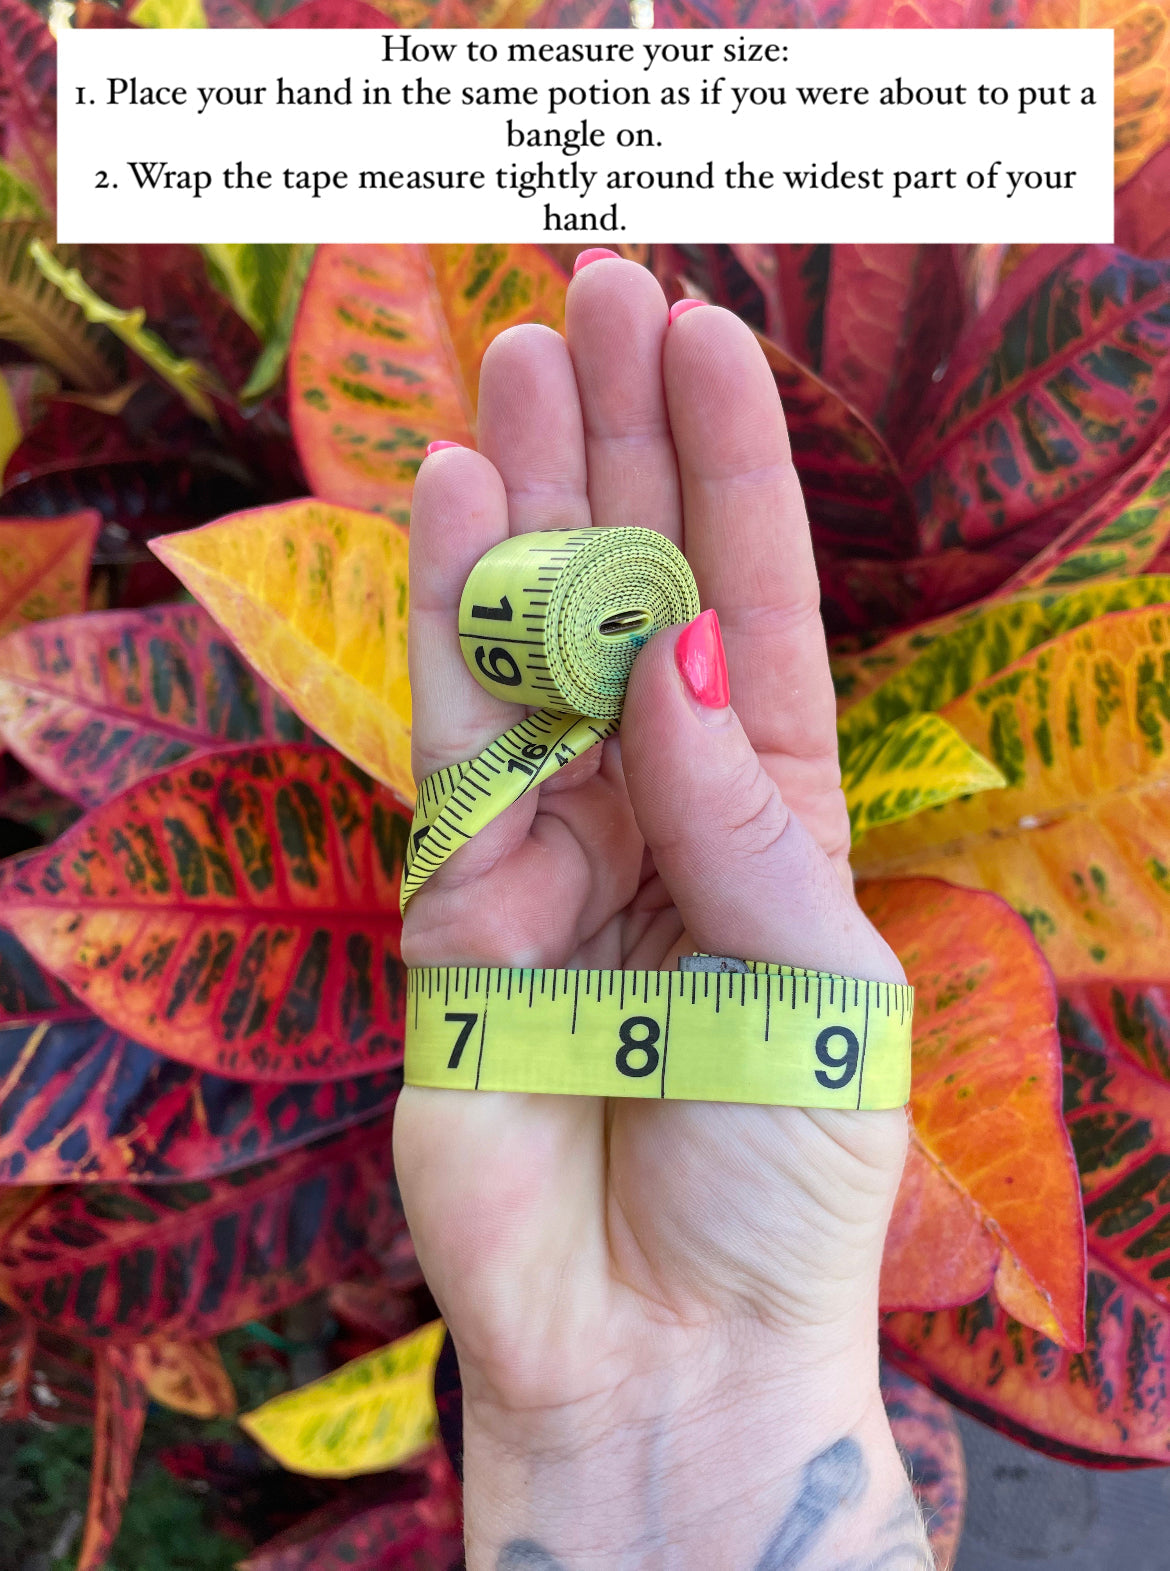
556,619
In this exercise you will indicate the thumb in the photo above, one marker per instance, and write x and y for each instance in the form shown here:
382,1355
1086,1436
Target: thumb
747,877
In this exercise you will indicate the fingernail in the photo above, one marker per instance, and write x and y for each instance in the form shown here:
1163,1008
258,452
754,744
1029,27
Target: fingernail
702,663
437,447
597,253
680,306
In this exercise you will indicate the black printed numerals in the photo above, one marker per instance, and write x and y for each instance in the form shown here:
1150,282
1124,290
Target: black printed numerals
845,1061
467,1026
638,1055
497,665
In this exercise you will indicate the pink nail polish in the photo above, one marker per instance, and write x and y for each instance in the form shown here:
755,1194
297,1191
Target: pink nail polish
597,253
437,447
680,306
702,663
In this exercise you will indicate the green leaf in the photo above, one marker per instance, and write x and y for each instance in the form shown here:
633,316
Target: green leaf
916,762
189,379
264,283
17,199
940,662
371,1414
42,320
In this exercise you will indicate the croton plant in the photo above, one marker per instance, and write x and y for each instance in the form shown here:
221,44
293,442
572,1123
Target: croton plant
205,787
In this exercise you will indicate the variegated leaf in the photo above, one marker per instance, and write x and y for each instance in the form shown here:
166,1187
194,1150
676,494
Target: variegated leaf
931,665
120,1263
1078,839
911,764
239,913
315,596
985,1104
371,1414
93,703
386,352
44,566
1047,397
1118,537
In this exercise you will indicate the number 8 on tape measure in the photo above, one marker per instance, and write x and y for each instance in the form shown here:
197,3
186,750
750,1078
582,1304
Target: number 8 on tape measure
556,620
766,1033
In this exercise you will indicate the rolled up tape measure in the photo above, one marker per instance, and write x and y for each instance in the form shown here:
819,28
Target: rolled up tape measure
556,619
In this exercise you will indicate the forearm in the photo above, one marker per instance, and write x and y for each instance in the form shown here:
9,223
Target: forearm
728,1485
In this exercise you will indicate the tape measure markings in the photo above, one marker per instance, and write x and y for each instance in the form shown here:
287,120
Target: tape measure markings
614,1033
554,621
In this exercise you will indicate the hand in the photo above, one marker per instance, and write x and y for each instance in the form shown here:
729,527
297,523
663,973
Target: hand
608,1266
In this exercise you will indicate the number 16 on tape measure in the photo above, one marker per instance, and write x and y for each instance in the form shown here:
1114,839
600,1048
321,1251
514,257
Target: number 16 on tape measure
770,1034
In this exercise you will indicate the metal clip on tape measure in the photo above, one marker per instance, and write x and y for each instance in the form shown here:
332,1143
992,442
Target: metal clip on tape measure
556,619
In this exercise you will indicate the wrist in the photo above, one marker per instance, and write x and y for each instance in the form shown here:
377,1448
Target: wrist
668,1472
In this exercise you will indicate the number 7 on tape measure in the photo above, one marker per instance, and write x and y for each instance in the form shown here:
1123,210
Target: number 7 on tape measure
770,1034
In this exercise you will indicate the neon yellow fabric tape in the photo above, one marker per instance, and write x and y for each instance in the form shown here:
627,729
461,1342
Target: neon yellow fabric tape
556,619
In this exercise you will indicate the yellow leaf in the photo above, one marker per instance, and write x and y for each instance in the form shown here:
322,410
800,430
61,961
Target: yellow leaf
169,13
1141,70
187,1377
371,1414
315,597
937,661
916,762
1080,728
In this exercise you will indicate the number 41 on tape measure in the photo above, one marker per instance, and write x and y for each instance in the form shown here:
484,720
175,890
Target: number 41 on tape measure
755,1033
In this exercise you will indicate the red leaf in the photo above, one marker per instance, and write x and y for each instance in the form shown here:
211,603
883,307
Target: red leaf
1116,1039
794,281
92,704
81,1102
415,1535
892,315
28,96
239,913
334,13
46,1377
859,595
1142,210
932,1450
118,1263
1047,397
854,492
1118,537
121,1413
44,567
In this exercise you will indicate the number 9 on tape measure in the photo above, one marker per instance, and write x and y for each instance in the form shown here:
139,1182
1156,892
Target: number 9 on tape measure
768,1033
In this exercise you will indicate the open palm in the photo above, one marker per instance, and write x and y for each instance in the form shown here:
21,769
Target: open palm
574,1244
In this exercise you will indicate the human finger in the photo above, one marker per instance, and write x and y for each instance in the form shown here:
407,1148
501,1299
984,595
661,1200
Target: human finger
530,428
615,324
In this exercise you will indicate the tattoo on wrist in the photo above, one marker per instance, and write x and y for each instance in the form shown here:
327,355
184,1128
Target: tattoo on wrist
522,1554
833,1482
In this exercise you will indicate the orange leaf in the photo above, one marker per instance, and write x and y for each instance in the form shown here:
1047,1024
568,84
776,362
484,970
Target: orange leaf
1141,70
986,1106
188,1377
121,1413
386,352
44,566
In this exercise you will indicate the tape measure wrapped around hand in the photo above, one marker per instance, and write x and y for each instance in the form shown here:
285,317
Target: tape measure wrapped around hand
556,619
